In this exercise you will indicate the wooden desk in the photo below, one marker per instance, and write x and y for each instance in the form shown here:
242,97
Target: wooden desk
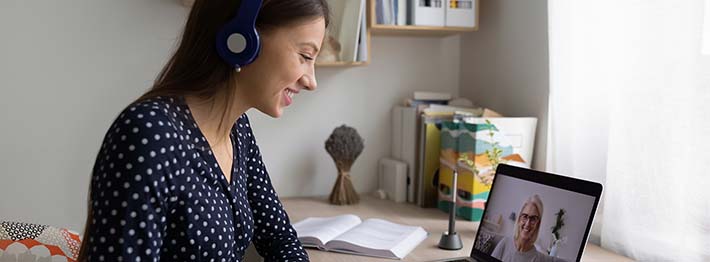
433,220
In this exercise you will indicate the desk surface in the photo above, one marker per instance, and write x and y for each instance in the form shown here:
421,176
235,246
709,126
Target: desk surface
433,221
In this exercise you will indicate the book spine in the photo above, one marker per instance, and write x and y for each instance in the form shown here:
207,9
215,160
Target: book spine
420,162
395,11
402,12
416,102
362,47
397,132
421,95
379,11
386,12
409,147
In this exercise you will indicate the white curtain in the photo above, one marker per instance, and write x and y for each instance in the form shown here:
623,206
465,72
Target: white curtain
630,107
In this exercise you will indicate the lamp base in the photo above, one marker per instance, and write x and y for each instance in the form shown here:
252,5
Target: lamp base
450,241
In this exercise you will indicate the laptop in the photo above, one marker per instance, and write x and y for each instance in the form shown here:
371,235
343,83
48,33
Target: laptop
513,229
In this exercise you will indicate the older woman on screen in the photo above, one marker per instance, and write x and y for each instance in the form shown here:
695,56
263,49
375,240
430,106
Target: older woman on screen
522,246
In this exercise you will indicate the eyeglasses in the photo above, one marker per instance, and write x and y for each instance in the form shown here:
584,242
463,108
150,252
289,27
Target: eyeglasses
528,218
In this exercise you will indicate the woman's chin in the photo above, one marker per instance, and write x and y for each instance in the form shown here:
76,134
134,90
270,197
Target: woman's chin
526,236
274,112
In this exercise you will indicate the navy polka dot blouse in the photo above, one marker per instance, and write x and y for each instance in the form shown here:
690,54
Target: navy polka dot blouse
159,194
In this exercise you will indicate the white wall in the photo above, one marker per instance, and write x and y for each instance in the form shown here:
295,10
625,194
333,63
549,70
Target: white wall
362,97
504,65
68,67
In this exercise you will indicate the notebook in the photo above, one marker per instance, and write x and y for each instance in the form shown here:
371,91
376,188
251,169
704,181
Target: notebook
350,234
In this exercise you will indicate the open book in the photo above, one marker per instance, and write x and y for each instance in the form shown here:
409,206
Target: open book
349,234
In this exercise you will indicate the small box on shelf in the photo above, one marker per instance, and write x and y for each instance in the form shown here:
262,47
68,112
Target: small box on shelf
461,13
428,13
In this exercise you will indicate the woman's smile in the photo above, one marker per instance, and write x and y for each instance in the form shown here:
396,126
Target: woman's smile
287,96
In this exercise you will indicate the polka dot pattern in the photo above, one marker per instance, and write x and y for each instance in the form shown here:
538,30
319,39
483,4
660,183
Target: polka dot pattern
18,231
159,193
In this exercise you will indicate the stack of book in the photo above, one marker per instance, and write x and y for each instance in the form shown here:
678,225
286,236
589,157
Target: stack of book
484,143
431,131
416,140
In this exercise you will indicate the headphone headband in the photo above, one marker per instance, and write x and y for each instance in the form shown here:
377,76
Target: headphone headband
248,12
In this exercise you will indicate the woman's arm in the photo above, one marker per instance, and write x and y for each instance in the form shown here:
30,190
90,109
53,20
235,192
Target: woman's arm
128,207
274,237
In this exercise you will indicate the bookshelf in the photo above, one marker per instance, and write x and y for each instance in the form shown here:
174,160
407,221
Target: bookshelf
348,27
415,30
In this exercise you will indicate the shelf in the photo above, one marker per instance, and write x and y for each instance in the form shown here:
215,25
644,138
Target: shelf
414,30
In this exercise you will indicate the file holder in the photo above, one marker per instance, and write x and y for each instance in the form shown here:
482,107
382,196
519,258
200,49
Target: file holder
428,12
461,13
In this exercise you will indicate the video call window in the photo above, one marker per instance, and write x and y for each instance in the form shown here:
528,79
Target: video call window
546,223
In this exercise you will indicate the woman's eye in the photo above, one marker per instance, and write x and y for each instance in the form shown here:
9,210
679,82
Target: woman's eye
306,57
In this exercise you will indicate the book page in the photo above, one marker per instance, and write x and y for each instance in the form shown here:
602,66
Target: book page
373,236
315,231
410,242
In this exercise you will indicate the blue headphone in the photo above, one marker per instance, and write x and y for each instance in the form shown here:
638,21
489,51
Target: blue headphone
238,41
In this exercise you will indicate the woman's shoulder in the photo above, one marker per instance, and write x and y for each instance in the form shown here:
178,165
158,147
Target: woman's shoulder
506,240
149,121
158,108
143,138
153,114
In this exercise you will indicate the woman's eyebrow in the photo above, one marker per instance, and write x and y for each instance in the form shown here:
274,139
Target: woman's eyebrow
311,45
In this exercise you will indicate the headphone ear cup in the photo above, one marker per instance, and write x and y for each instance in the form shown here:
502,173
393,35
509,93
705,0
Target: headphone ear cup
238,47
238,42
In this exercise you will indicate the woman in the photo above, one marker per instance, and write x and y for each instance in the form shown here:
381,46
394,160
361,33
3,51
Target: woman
522,246
179,176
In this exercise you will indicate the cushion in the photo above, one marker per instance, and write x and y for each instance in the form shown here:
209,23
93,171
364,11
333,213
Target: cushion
487,241
32,242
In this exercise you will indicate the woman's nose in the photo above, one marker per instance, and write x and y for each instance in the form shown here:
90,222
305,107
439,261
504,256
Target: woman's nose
308,80
312,84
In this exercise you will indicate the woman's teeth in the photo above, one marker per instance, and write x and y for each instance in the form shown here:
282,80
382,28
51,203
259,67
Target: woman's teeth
289,93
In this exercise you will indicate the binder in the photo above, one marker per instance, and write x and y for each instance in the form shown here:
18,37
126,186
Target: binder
487,142
429,151
428,13
404,144
461,13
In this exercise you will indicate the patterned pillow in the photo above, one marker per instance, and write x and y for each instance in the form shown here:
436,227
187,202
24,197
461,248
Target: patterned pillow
487,241
30,242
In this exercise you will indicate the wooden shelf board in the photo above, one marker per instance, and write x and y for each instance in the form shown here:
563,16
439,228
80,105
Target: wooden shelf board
378,29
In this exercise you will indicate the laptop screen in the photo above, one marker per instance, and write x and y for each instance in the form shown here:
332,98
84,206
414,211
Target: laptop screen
527,220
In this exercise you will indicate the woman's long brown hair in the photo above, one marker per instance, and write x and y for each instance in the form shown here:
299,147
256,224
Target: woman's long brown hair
195,69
